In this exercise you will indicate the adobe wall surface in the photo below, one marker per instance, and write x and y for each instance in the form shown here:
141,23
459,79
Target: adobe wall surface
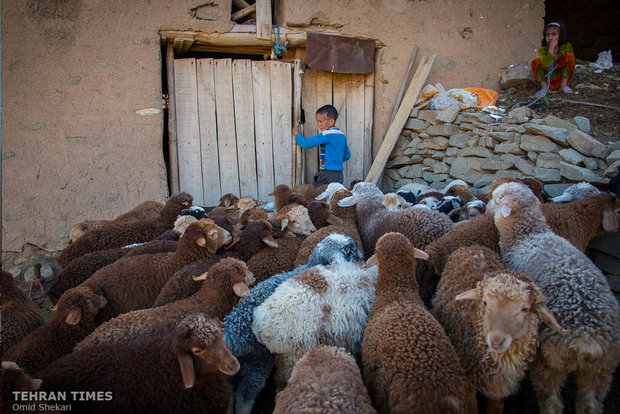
474,40
76,74
82,126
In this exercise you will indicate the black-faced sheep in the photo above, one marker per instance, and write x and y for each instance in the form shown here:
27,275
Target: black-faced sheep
74,318
327,380
133,283
348,227
409,364
578,295
324,305
256,361
256,236
183,371
222,286
491,316
20,315
122,234
144,210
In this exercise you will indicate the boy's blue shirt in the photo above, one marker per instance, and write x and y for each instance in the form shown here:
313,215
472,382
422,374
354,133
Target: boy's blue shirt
335,144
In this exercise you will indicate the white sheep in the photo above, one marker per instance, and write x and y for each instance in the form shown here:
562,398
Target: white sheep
324,305
577,191
578,295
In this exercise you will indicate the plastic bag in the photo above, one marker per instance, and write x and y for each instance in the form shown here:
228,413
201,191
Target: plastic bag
604,61
467,99
486,97
441,101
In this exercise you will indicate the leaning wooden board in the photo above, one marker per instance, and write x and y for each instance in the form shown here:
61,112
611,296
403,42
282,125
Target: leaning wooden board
396,127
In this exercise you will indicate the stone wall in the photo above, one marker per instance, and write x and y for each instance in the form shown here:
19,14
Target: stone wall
437,147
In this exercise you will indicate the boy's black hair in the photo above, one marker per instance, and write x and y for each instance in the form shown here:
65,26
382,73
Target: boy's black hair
329,111
563,33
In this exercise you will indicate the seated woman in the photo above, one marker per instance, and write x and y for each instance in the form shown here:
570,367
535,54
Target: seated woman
555,54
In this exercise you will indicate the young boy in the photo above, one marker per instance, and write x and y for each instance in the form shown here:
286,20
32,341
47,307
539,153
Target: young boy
333,148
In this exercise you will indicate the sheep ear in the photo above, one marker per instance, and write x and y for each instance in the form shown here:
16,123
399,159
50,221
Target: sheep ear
201,277
241,289
420,254
322,196
187,369
468,294
270,241
201,241
610,220
103,302
335,220
54,308
505,210
347,202
372,260
545,314
271,193
283,224
73,318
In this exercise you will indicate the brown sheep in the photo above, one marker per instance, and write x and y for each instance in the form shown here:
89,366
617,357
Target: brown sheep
121,234
183,371
578,221
20,315
327,380
222,286
409,363
144,210
74,319
133,283
491,316
255,237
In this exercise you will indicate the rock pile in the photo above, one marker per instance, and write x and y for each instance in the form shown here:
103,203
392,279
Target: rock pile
437,147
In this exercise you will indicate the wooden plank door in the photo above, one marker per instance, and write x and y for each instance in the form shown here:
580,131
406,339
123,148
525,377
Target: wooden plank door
234,121
353,98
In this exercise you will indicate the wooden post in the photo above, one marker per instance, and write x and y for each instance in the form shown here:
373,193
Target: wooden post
263,19
400,119
297,155
173,159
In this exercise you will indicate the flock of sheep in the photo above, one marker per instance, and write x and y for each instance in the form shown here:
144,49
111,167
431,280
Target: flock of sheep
354,300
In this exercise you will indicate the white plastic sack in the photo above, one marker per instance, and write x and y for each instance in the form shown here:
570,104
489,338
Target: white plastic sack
442,101
604,61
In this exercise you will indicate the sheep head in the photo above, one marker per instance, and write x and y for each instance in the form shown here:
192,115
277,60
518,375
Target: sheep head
335,248
208,235
179,201
513,199
395,246
233,270
228,200
330,191
394,202
611,215
78,304
198,344
510,304
296,219
182,223
577,191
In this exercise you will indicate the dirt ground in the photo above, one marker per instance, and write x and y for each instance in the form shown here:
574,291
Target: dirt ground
591,89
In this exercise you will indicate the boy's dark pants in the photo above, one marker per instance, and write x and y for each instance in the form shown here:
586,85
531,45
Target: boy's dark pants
326,177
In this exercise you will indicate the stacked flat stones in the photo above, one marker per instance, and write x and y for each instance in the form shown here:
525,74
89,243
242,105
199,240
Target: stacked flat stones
436,147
